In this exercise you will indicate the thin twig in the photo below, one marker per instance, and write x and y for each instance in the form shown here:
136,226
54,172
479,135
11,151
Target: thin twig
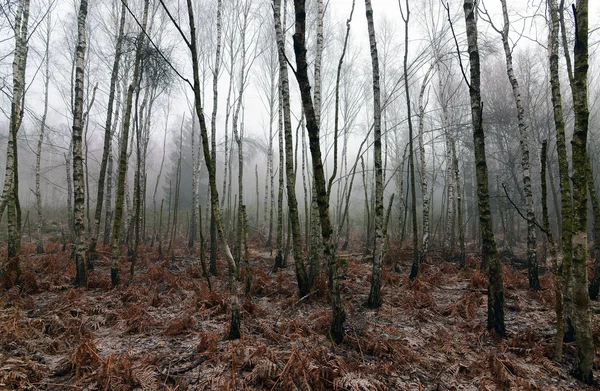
154,45
284,368
462,69
534,221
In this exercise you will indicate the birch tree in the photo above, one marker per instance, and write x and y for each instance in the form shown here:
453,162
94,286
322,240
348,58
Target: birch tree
336,331
78,176
234,330
491,260
213,133
581,317
423,163
10,191
123,155
39,246
374,300
414,270
304,284
563,165
107,133
534,283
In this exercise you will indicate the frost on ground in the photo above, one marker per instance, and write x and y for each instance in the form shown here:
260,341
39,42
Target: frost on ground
165,329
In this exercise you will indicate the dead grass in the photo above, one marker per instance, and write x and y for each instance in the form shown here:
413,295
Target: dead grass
165,330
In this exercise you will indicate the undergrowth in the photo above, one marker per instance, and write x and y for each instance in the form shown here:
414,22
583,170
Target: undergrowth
165,329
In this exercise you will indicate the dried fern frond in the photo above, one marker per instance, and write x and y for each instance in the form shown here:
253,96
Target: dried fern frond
180,324
479,280
145,376
353,381
213,378
16,373
500,370
264,370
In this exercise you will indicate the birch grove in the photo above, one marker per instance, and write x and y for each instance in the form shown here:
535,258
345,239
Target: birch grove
291,189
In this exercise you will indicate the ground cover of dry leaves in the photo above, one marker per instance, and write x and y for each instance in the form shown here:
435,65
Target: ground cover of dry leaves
165,329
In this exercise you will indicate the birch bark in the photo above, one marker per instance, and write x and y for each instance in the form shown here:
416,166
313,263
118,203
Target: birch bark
532,264
490,256
123,156
374,300
78,176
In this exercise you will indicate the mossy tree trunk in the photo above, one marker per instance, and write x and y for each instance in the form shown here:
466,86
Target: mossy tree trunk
236,319
563,165
558,281
123,155
490,258
339,317
107,134
304,285
595,284
532,264
581,317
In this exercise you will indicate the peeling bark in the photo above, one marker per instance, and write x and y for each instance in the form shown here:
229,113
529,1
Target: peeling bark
374,300
78,176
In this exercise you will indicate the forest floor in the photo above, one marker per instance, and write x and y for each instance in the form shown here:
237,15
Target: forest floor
165,330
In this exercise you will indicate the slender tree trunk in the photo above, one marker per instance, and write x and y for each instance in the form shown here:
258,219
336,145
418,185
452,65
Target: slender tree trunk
238,131
315,248
38,191
489,250
337,327
424,191
257,194
68,164
595,284
116,232
10,193
558,280
459,213
138,187
414,271
234,331
534,283
86,126
374,300
304,284
563,170
582,322
107,135
192,235
279,242
110,172
158,176
78,176
177,192
213,138
160,218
